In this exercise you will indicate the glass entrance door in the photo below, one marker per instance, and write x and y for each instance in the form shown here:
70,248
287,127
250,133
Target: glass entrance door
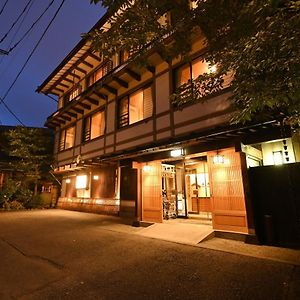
198,189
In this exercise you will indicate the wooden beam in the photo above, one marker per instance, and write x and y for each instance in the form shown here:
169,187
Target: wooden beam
73,74
92,101
68,80
133,74
110,89
65,118
60,120
151,69
71,114
121,82
63,85
92,55
80,70
86,106
60,90
101,95
87,64
78,110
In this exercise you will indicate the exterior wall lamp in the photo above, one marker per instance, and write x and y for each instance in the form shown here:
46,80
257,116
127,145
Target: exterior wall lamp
95,177
68,180
146,168
176,152
218,159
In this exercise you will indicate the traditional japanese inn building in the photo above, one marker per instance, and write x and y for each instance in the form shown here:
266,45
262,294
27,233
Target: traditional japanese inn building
122,148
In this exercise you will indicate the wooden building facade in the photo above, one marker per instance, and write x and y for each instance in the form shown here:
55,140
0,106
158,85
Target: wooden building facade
124,149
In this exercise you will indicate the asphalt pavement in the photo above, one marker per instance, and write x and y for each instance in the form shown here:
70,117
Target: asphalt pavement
56,254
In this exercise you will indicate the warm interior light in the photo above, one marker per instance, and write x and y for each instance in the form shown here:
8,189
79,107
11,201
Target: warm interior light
95,177
68,180
81,181
277,157
146,168
218,159
176,152
213,69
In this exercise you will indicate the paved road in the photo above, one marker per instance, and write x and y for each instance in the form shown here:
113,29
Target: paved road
68,255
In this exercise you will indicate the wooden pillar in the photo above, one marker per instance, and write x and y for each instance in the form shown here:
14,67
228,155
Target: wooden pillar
151,192
228,191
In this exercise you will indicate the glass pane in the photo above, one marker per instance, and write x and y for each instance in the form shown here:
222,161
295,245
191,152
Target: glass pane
70,133
98,74
182,75
97,126
199,67
136,103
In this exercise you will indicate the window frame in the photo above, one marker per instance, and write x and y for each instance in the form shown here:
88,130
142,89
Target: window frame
89,117
63,133
127,96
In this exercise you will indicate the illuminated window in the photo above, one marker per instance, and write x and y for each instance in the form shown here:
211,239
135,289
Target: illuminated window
81,182
73,94
191,71
277,157
123,56
67,137
94,126
135,107
100,72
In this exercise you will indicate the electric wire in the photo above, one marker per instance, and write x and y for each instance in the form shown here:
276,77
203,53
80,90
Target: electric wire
31,27
15,34
51,98
11,112
26,62
15,22
2,9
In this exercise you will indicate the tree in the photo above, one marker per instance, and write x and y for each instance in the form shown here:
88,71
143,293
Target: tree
30,152
257,40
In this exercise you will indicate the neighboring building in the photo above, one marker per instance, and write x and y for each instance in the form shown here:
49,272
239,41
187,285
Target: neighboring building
123,149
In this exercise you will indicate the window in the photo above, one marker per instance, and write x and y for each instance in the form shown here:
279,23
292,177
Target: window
73,94
94,126
135,107
99,73
123,56
67,137
191,71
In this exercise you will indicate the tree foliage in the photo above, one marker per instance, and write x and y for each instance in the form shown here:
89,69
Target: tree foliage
257,40
30,152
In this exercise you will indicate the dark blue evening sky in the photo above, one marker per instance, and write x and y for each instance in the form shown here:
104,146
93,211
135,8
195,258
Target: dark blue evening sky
75,17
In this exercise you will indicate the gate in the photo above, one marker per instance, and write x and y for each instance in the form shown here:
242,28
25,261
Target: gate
276,203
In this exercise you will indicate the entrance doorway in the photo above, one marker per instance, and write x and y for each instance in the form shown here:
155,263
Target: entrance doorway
185,190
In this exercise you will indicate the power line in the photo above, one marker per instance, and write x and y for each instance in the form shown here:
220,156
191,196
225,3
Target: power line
16,32
11,112
31,27
51,98
2,9
15,22
26,62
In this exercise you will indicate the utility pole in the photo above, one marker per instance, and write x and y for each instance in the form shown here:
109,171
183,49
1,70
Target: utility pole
3,52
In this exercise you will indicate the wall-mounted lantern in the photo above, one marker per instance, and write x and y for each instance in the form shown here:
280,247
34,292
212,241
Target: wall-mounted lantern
218,159
176,152
146,168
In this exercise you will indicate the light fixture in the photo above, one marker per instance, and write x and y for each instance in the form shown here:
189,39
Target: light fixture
95,177
68,180
277,158
81,182
176,152
146,168
218,159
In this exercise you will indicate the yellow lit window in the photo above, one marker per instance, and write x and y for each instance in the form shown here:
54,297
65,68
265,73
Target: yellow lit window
81,182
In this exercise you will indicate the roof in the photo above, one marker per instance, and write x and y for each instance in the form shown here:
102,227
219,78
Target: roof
73,52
